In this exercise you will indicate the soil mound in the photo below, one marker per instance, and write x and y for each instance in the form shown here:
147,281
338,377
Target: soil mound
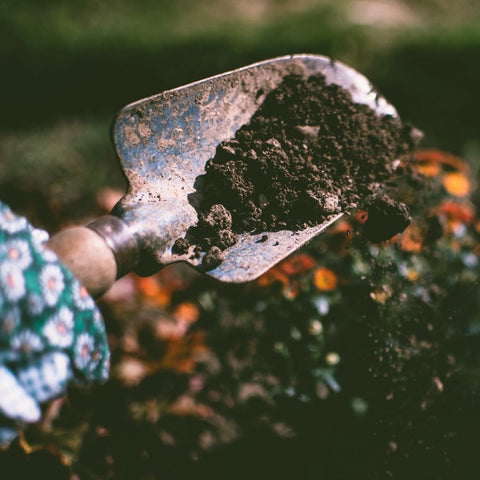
307,153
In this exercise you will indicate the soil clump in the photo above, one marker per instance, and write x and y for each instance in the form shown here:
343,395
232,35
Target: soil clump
307,153
386,218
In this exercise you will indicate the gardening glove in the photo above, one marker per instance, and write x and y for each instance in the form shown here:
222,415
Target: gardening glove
51,332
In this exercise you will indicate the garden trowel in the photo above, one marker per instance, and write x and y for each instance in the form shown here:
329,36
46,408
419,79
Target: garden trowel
163,143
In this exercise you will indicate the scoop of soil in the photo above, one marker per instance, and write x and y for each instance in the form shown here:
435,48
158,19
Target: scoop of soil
307,153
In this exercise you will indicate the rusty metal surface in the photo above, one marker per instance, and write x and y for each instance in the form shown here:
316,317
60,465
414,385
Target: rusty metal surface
163,143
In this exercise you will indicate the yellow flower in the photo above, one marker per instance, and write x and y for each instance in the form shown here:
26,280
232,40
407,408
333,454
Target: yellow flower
381,294
411,275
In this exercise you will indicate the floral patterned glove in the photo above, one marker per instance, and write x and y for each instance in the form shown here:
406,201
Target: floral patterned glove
51,332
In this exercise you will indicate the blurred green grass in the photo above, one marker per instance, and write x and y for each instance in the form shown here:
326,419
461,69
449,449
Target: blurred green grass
67,67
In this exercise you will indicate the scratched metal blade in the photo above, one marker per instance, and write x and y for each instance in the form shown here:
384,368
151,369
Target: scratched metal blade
163,143
253,255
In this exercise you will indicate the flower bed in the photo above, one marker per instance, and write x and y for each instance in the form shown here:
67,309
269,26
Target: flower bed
348,358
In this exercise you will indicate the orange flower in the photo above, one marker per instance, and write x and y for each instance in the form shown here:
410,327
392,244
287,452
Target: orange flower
186,312
428,169
148,286
324,279
456,184
411,239
150,289
442,158
452,211
158,288
341,227
272,276
181,353
297,264
361,216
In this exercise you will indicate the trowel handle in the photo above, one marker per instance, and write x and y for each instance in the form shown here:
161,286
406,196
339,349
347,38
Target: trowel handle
97,254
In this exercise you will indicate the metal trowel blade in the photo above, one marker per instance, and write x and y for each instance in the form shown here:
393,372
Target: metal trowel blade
164,141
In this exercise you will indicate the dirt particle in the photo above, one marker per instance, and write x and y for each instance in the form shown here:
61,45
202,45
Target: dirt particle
217,219
262,239
213,258
181,246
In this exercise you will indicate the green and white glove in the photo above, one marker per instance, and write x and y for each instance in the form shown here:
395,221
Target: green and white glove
51,332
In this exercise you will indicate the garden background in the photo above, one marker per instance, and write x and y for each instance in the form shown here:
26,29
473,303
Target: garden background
349,360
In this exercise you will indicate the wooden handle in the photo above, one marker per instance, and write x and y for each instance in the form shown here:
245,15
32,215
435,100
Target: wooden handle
86,254
99,253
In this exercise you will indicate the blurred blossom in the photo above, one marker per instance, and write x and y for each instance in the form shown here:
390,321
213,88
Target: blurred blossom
316,327
152,291
361,216
428,169
411,275
131,371
272,276
359,405
332,358
291,290
441,159
281,348
297,264
325,279
186,405
381,294
322,305
182,353
422,293
458,229
456,184
470,260
454,211
411,240
295,333
186,312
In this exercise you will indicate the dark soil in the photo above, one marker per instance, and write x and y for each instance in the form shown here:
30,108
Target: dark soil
386,218
307,153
